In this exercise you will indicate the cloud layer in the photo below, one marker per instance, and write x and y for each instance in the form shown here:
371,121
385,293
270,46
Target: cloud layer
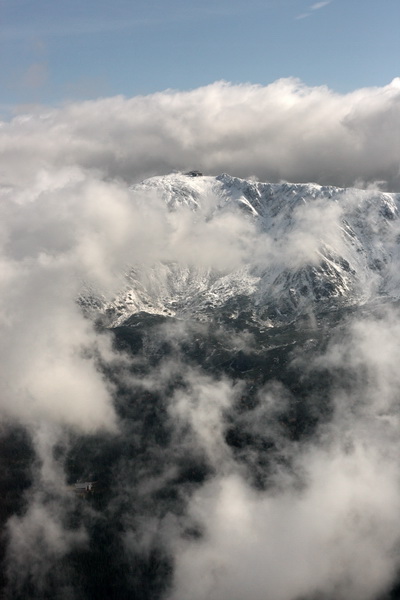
285,130
325,525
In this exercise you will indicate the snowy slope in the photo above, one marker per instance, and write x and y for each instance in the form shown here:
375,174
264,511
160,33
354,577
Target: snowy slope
304,249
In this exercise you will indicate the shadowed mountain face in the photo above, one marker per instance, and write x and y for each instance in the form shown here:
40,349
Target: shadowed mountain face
251,353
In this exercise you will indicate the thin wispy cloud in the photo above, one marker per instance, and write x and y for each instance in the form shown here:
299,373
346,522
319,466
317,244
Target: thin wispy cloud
101,22
312,8
72,27
319,5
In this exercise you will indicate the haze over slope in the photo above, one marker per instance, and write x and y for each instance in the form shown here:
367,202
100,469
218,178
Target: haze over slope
221,354
276,251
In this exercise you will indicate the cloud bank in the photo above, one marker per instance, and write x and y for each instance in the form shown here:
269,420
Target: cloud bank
284,130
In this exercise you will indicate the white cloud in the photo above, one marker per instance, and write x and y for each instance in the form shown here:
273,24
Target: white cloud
334,534
52,235
67,216
285,130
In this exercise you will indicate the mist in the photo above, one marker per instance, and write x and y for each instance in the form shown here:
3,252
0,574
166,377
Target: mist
234,458
326,526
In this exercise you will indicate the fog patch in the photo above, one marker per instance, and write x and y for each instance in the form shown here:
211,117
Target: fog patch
42,536
327,525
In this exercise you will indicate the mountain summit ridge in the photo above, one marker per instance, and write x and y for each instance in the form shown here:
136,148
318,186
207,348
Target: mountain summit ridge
299,248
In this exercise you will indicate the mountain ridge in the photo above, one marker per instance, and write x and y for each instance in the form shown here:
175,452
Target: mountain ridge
306,248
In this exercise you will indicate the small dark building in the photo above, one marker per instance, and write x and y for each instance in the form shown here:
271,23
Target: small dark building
194,174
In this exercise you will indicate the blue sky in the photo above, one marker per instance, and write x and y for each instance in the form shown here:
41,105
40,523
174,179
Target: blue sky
54,51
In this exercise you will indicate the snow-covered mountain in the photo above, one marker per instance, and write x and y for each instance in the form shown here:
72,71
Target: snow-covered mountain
298,249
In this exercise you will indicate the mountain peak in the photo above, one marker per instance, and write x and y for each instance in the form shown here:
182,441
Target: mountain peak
274,251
